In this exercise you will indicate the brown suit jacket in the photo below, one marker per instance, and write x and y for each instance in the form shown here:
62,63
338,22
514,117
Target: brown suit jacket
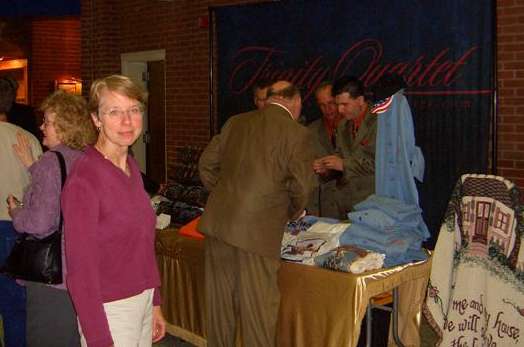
259,173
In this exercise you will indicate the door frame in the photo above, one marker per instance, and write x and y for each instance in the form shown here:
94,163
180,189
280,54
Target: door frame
143,57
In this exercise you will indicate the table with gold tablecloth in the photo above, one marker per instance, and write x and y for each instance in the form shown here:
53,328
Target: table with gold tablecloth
318,307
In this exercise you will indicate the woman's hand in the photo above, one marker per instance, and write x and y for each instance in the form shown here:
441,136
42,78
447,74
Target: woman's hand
12,203
23,150
159,324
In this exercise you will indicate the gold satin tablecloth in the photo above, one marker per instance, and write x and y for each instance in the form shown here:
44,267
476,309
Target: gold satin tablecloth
318,307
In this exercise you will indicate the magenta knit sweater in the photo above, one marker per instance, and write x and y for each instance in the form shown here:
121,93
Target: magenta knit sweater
109,240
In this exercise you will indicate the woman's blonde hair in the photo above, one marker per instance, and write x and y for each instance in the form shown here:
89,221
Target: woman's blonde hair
115,83
73,124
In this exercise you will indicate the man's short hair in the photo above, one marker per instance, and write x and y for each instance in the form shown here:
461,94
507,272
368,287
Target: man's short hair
261,84
7,95
12,81
323,85
349,84
288,92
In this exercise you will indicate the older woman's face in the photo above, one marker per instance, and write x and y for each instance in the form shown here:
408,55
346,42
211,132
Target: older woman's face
119,118
49,130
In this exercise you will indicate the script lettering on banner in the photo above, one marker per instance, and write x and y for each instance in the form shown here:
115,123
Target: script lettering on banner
253,63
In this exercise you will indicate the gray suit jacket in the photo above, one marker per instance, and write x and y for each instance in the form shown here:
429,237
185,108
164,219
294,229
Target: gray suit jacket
259,173
359,158
329,199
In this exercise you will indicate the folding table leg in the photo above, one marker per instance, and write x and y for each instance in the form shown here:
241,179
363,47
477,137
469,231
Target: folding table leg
395,318
394,311
369,322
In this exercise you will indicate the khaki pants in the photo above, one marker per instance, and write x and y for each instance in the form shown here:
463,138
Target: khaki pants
241,287
130,321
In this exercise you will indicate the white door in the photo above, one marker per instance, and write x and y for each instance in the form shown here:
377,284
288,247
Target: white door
134,66
137,71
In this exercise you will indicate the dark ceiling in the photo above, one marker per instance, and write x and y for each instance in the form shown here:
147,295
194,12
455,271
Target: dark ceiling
23,8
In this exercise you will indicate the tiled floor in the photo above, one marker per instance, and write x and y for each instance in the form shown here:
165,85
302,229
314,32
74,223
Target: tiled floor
171,341
427,336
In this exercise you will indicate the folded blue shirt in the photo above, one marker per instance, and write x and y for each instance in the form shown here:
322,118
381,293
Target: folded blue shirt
390,243
394,208
382,212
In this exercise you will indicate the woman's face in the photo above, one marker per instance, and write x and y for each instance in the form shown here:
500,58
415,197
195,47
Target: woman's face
119,119
48,129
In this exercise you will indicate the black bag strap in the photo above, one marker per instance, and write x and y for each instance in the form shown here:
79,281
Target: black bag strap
63,175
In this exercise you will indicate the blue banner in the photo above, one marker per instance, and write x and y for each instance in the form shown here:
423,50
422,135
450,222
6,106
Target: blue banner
27,8
443,49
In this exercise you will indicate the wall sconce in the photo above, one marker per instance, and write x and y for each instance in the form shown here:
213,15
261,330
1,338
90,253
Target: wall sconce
71,85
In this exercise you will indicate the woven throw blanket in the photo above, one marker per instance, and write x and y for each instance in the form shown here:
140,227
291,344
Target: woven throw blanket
475,295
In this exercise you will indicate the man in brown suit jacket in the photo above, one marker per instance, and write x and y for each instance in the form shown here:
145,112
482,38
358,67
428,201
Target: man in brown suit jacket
258,170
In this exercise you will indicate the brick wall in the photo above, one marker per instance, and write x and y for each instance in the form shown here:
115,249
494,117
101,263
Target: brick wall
55,54
15,38
510,75
121,26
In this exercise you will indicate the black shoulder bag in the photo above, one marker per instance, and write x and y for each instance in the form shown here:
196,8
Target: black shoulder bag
38,260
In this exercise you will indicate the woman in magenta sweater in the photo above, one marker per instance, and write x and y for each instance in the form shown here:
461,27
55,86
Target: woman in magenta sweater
110,227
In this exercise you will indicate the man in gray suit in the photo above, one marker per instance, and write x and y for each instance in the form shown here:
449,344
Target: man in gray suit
258,170
356,142
328,200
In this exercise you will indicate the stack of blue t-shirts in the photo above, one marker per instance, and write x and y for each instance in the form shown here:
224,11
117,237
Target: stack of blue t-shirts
390,222
388,226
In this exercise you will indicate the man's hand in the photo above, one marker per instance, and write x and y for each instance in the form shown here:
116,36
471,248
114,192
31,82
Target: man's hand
333,162
318,167
159,324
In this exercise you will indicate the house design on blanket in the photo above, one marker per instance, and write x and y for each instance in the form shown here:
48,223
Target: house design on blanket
486,220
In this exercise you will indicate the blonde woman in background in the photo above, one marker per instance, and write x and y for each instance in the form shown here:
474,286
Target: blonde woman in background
67,129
